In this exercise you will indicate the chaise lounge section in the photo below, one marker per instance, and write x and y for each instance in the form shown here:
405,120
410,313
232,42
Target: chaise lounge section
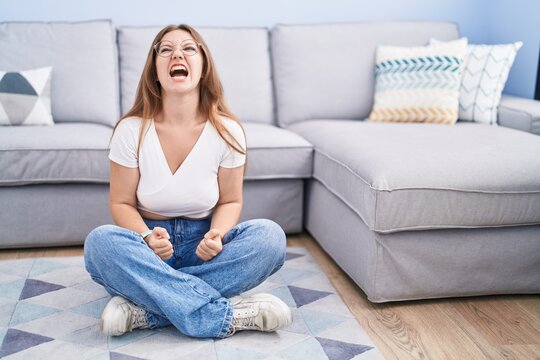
408,210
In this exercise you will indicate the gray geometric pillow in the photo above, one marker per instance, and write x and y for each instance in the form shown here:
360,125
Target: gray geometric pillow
25,97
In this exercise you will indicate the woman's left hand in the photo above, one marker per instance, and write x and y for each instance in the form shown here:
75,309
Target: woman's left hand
210,246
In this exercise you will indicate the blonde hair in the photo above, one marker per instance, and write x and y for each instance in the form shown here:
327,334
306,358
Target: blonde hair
148,99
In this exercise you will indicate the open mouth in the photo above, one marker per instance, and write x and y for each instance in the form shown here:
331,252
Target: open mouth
178,71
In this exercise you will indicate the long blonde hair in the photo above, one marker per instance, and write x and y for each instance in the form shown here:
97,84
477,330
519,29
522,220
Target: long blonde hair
148,100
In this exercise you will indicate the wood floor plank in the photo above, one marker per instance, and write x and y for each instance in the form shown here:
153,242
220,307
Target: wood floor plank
434,326
531,303
500,321
521,352
41,252
492,327
465,327
531,307
405,336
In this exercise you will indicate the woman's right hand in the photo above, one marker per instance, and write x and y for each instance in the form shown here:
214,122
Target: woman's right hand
159,242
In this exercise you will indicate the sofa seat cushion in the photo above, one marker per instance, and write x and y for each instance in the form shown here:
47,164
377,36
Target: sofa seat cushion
399,176
77,152
276,153
65,152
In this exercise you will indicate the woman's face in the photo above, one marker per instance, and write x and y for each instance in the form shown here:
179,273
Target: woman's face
179,63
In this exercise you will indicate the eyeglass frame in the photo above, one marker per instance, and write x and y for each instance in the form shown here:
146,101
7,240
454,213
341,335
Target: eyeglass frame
198,45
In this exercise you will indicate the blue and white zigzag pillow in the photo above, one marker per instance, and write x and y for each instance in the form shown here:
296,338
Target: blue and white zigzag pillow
486,69
418,84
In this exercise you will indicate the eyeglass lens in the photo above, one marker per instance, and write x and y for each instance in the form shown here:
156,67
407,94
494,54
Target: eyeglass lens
166,48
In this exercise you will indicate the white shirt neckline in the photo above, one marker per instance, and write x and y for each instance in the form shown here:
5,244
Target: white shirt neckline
193,190
188,156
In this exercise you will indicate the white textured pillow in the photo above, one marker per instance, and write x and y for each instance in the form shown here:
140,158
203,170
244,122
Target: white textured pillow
25,97
486,69
418,84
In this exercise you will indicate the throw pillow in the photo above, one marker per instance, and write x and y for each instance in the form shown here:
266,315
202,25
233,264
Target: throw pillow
418,84
485,71
25,97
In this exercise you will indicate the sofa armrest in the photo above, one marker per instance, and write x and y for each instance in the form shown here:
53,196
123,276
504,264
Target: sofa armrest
520,113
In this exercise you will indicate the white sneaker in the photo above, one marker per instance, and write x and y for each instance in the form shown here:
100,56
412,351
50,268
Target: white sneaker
260,312
120,316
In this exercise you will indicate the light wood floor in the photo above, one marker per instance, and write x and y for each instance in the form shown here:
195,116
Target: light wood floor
490,327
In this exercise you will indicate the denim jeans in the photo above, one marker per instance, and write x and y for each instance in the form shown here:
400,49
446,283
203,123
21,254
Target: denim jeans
185,291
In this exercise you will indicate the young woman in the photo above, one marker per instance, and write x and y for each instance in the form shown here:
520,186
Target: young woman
176,171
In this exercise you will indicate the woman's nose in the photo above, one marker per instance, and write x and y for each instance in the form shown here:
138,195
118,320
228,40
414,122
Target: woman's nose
178,53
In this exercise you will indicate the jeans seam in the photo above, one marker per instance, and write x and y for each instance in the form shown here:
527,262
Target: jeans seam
227,321
207,296
134,232
95,278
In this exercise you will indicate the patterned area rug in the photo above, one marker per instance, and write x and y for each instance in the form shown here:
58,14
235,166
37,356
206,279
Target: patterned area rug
50,309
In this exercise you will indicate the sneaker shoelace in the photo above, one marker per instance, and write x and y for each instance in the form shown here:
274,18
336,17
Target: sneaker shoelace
138,317
244,323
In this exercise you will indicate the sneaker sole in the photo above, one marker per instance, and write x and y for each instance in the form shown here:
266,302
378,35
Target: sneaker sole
106,326
280,304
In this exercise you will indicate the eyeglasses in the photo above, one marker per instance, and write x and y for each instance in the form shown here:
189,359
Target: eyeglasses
166,48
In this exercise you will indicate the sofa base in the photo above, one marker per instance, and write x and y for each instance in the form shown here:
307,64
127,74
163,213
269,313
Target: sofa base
427,264
63,214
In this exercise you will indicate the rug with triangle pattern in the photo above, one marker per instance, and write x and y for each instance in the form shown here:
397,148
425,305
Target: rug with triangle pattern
50,309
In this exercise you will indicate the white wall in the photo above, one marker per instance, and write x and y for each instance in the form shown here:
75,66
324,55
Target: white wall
517,20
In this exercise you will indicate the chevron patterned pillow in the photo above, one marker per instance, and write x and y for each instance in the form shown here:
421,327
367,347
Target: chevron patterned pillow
486,69
25,97
418,84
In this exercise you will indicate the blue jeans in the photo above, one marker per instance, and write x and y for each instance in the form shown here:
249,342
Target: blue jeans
185,291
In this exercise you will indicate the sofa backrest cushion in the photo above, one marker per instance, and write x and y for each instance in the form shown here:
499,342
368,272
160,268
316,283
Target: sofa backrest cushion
84,81
241,56
328,71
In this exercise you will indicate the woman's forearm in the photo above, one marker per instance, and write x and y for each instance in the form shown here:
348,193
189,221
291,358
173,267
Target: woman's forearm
128,217
226,216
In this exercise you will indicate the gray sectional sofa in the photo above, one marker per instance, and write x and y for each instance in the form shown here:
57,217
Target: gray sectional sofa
409,211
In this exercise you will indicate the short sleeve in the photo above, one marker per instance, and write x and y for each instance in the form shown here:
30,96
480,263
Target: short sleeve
232,158
123,148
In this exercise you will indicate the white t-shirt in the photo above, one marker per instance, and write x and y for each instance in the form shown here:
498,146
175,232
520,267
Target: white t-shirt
192,191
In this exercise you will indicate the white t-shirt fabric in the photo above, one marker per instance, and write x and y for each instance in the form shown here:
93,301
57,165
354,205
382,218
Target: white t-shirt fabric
192,191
